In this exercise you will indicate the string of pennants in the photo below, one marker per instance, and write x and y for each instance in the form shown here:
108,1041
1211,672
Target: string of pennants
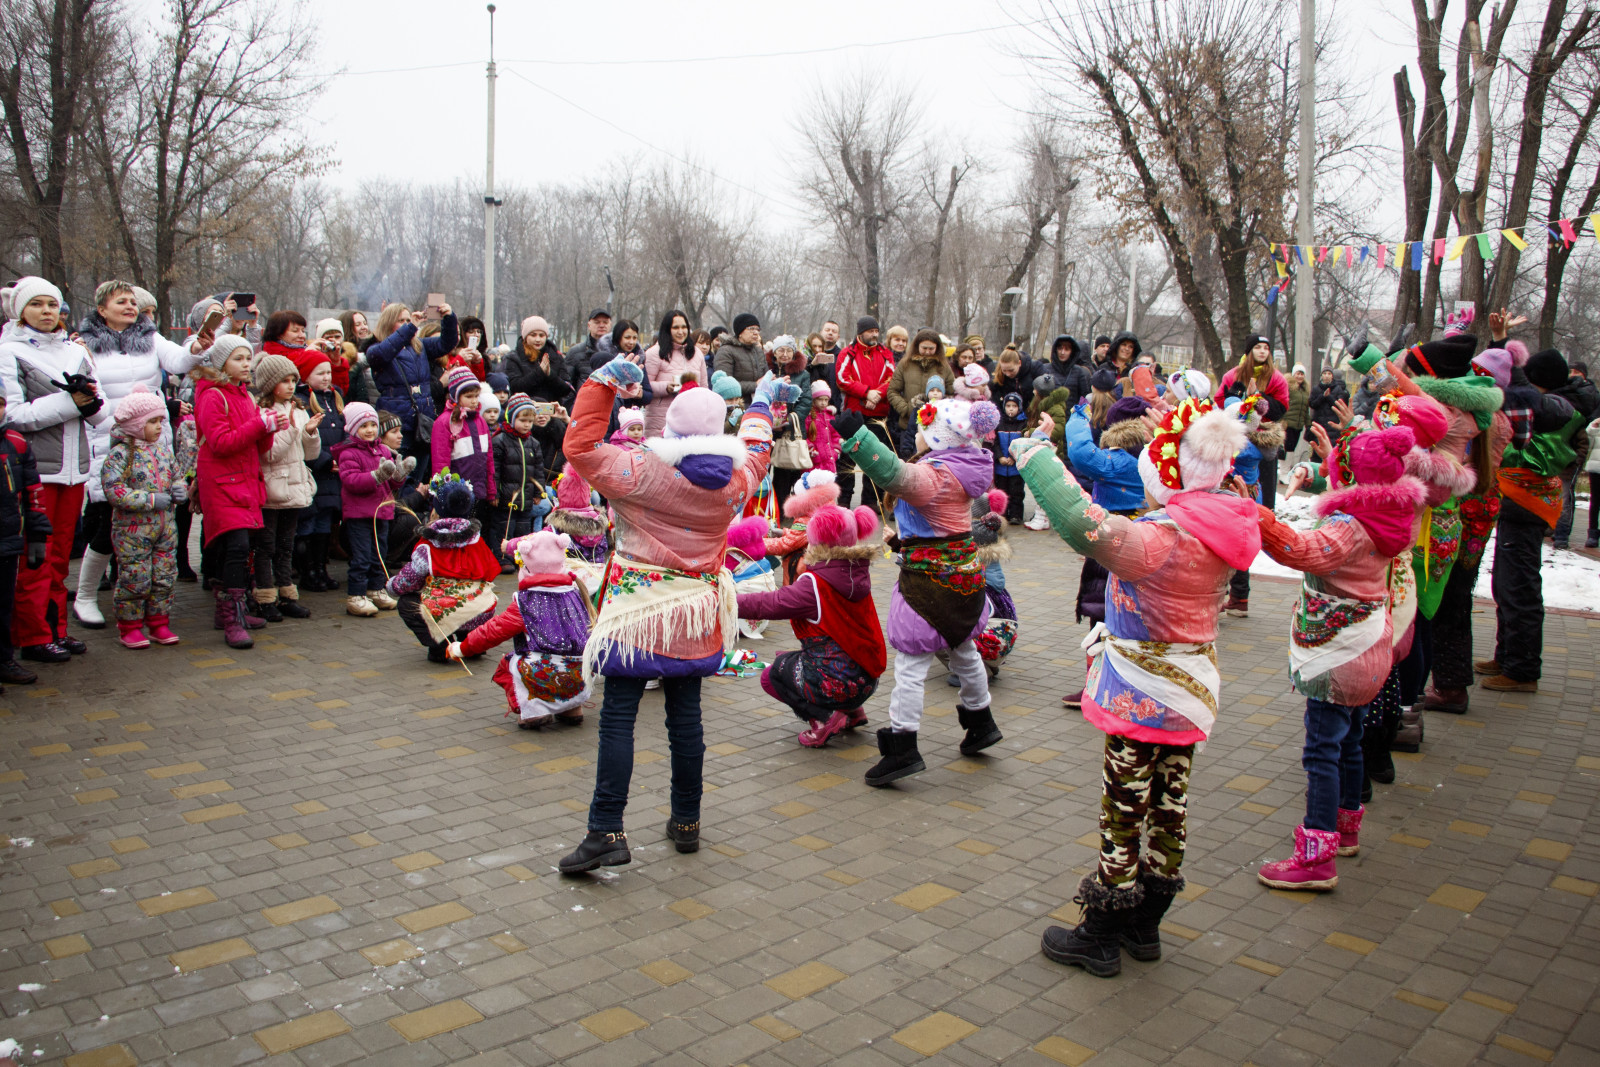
1413,254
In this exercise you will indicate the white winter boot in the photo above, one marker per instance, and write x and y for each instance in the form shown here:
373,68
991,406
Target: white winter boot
86,602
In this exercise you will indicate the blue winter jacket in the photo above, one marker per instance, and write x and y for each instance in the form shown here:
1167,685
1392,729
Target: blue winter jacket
1114,471
404,375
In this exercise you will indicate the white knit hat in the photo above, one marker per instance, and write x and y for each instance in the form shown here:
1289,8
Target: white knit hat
222,348
329,326
144,298
18,296
957,423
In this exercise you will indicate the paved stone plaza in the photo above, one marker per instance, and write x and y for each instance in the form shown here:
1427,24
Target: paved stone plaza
328,850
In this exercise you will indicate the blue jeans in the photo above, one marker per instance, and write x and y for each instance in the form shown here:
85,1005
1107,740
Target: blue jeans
685,740
366,572
1563,529
1332,759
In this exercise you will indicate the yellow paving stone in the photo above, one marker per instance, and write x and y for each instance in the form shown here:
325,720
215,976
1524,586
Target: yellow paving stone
501,731
392,742
417,861
726,850
931,1036
842,877
1090,839
1248,783
49,750
196,959
41,693
612,1023
322,724
429,918
390,952
298,1033
727,748
814,844
771,1024
1257,809
857,753
91,868
1262,719
183,898
1038,755
1407,839
1525,1048
220,811
793,809
819,782
95,796
288,841
1532,797
964,806
66,909
1255,700
806,979
1545,849
366,674
1019,710
1263,744
192,767
218,661
1351,943
508,943
296,910
691,908
578,805
1589,763
666,972
364,840
1472,829
200,789
1062,786
1259,965
139,728
1064,1051
976,847
9,777
1503,1006
519,872
329,705
237,672
527,746
440,712
1434,1004
123,845
1455,896
100,716
645,755
62,947
293,694
105,1056
925,896
311,807
965,766
1582,887
454,752
1188,933
557,766
93,772
120,749
1472,770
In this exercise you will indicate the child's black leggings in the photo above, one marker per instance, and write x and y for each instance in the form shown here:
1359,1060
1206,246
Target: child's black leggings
227,559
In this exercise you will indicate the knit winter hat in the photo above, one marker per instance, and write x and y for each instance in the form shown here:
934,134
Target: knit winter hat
268,369
327,326
1547,369
458,380
743,321
1449,356
1104,380
1299,368
222,348
516,404
820,388
974,339
572,492
487,403
973,383
1493,363
144,298
452,496
535,322
1377,457
865,324
834,527
1044,384
1424,416
387,421
1188,384
1129,407
137,408
307,360
1012,398
935,381
629,417
957,423
357,413
16,297
724,385
544,552
696,413
784,340
812,490
498,383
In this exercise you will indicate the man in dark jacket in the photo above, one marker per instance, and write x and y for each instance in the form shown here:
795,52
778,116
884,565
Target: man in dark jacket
1581,393
580,356
1070,367
741,357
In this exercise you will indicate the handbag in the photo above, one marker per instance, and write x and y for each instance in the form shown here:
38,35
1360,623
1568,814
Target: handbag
791,453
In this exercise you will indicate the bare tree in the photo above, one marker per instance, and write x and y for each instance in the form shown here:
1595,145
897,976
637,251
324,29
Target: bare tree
1047,177
691,236
943,203
1578,107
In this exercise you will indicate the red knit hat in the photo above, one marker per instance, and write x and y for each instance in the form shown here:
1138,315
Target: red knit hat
307,360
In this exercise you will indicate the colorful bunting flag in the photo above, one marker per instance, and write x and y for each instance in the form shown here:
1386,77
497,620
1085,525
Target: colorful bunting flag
1383,251
1456,248
1416,256
1568,234
1338,251
1438,250
1516,240
1483,247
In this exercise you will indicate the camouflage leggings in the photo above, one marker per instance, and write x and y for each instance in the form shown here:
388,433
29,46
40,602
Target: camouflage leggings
1146,792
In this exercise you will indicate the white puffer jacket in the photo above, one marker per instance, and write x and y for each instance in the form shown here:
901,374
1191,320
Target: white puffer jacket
290,483
136,356
57,433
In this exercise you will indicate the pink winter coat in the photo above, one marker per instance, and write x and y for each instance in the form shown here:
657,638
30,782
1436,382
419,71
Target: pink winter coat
664,376
824,439
1277,386
233,438
360,495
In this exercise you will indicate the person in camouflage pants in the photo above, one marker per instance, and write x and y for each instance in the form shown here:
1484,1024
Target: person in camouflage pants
1146,792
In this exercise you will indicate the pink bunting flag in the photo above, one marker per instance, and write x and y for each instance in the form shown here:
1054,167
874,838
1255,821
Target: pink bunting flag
1438,250
1568,234
1322,255
1383,254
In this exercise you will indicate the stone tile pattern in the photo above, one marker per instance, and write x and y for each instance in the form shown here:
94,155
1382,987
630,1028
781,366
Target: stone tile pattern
351,897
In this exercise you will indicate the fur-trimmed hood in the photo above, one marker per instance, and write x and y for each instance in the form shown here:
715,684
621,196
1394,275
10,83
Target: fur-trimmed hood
101,340
451,533
580,522
1269,437
707,461
997,551
1387,510
816,553
1440,471
1130,435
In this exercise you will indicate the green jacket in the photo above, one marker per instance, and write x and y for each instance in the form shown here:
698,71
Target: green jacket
1299,414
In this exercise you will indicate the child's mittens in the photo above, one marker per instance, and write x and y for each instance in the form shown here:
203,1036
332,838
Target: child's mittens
180,491
622,376
160,501
773,390
270,421
408,465
385,472
452,650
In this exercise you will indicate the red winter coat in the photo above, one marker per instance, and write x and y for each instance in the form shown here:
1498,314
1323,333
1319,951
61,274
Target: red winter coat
228,473
861,370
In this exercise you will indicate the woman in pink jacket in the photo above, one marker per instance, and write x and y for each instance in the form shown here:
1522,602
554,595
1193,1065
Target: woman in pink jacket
234,435
1153,686
668,608
665,364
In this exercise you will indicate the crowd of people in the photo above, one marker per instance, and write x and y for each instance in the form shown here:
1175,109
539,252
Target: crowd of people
654,500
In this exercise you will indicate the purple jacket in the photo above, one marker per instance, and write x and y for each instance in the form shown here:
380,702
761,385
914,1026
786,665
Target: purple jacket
850,578
361,497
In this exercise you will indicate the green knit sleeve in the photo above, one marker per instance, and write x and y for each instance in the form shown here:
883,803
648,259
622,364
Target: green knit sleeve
1072,514
876,459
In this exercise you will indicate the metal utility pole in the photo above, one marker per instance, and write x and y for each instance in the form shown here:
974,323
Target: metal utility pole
489,204
1133,285
1305,294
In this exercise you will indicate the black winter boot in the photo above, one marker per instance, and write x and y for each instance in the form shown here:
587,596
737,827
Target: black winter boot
597,850
1142,936
685,836
900,757
980,727
1094,944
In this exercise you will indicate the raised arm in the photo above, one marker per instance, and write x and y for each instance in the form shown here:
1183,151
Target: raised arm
1319,551
911,482
798,600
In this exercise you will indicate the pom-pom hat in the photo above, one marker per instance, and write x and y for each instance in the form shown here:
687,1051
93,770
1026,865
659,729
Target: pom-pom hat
696,413
957,423
357,413
812,490
458,380
834,527
137,408
572,492
544,552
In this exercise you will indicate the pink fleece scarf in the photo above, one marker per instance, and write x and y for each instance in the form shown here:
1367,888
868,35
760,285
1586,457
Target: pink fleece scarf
1224,522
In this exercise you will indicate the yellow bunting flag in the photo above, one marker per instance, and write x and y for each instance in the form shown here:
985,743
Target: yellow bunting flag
1516,240
1594,227
1338,251
1457,247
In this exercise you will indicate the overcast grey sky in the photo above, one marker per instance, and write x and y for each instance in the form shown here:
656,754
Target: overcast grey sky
410,103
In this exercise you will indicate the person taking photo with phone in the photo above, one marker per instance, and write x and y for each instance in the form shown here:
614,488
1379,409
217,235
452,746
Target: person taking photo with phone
401,363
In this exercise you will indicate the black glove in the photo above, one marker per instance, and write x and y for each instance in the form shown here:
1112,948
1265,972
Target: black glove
36,554
848,422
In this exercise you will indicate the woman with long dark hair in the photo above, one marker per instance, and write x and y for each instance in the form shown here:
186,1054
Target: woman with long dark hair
666,364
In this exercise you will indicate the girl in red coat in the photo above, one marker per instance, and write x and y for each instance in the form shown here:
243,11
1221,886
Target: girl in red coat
234,434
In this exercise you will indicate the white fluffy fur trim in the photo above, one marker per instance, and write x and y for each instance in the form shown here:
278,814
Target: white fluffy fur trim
1404,492
675,450
1441,470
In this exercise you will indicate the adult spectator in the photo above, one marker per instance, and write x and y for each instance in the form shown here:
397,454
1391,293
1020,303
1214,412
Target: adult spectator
1070,368
1102,345
537,367
865,370
1581,393
910,382
1013,373
822,366
1125,348
898,339
830,338
715,338
580,357
1324,395
357,339
742,358
402,371
980,353
666,365
1299,414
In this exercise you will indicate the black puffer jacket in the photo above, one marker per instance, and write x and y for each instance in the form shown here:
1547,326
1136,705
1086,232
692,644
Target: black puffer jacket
331,431
518,470
1323,397
20,522
527,376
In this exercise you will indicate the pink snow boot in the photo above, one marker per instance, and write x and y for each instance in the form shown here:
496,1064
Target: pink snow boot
132,634
817,736
160,632
1350,831
1312,865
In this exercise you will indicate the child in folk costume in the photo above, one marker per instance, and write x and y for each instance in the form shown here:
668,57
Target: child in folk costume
548,622
576,516
143,479
1153,687
814,488
830,607
1340,645
446,590
938,603
747,562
